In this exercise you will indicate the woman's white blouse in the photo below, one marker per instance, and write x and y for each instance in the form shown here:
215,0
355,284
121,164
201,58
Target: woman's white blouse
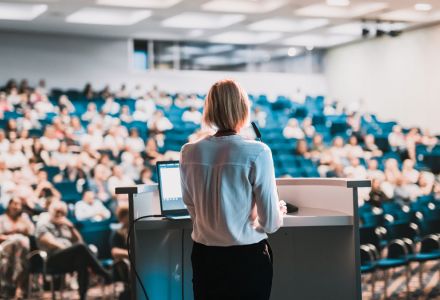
229,187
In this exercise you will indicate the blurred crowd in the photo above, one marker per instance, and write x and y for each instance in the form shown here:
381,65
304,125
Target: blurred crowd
97,152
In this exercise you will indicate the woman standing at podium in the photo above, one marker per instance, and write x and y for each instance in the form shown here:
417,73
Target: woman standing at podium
229,187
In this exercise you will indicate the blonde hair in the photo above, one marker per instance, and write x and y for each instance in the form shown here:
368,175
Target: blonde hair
226,105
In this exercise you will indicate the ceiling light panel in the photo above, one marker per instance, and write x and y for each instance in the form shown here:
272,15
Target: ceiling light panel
354,10
338,2
319,40
287,25
423,6
202,20
245,37
243,6
410,15
21,11
139,3
108,16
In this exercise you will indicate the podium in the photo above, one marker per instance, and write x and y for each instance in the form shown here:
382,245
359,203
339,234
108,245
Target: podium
316,252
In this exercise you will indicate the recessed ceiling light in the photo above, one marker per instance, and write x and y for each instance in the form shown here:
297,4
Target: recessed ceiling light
292,51
21,11
338,2
411,15
195,33
245,37
287,25
202,20
139,3
108,16
354,10
310,47
319,40
423,6
247,7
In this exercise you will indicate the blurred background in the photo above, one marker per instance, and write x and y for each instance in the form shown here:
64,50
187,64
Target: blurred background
95,92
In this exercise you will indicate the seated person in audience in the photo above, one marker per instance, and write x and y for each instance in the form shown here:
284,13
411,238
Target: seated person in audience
192,115
64,116
293,131
75,131
259,116
90,113
308,128
370,148
397,140
377,196
373,171
137,92
163,100
59,128
413,138
354,123
28,121
352,148
113,142
134,141
336,170
105,93
4,142
14,158
122,93
4,105
403,192
118,179
409,174
90,208
64,101
428,139
98,183
49,140
159,123
44,188
125,114
146,176
43,107
302,149
426,184
392,172
94,138
182,101
65,247
144,109
338,151
132,163
111,106
103,120
15,229
355,169
62,156
88,92
119,247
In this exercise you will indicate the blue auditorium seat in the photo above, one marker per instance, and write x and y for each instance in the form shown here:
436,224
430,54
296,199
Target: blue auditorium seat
68,190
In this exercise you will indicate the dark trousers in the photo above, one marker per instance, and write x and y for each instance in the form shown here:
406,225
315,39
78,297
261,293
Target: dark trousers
236,272
76,258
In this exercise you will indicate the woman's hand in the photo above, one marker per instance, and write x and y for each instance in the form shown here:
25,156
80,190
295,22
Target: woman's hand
283,207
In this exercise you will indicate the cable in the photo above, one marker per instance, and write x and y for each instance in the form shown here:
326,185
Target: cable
129,252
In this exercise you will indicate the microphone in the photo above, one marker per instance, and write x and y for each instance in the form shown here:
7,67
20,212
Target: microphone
257,131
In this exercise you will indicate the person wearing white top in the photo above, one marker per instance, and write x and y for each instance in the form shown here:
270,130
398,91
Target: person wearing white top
192,115
91,209
228,185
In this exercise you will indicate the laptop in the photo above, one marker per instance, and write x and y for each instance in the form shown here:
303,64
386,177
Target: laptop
170,190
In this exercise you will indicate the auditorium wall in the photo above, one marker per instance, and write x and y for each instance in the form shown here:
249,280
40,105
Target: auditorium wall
397,78
70,61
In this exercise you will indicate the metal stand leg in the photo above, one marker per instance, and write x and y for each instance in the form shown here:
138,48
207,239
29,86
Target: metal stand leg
407,274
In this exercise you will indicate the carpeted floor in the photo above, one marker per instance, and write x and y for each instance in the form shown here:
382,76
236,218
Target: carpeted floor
397,284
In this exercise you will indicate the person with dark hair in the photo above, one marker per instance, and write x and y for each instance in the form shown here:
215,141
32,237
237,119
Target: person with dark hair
65,247
15,229
88,92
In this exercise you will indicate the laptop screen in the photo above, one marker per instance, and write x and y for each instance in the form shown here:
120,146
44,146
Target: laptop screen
169,186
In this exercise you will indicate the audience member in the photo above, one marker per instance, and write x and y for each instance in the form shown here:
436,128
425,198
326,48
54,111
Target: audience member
90,208
66,249
293,131
15,229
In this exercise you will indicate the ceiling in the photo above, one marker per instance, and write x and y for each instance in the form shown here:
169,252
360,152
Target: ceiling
306,23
